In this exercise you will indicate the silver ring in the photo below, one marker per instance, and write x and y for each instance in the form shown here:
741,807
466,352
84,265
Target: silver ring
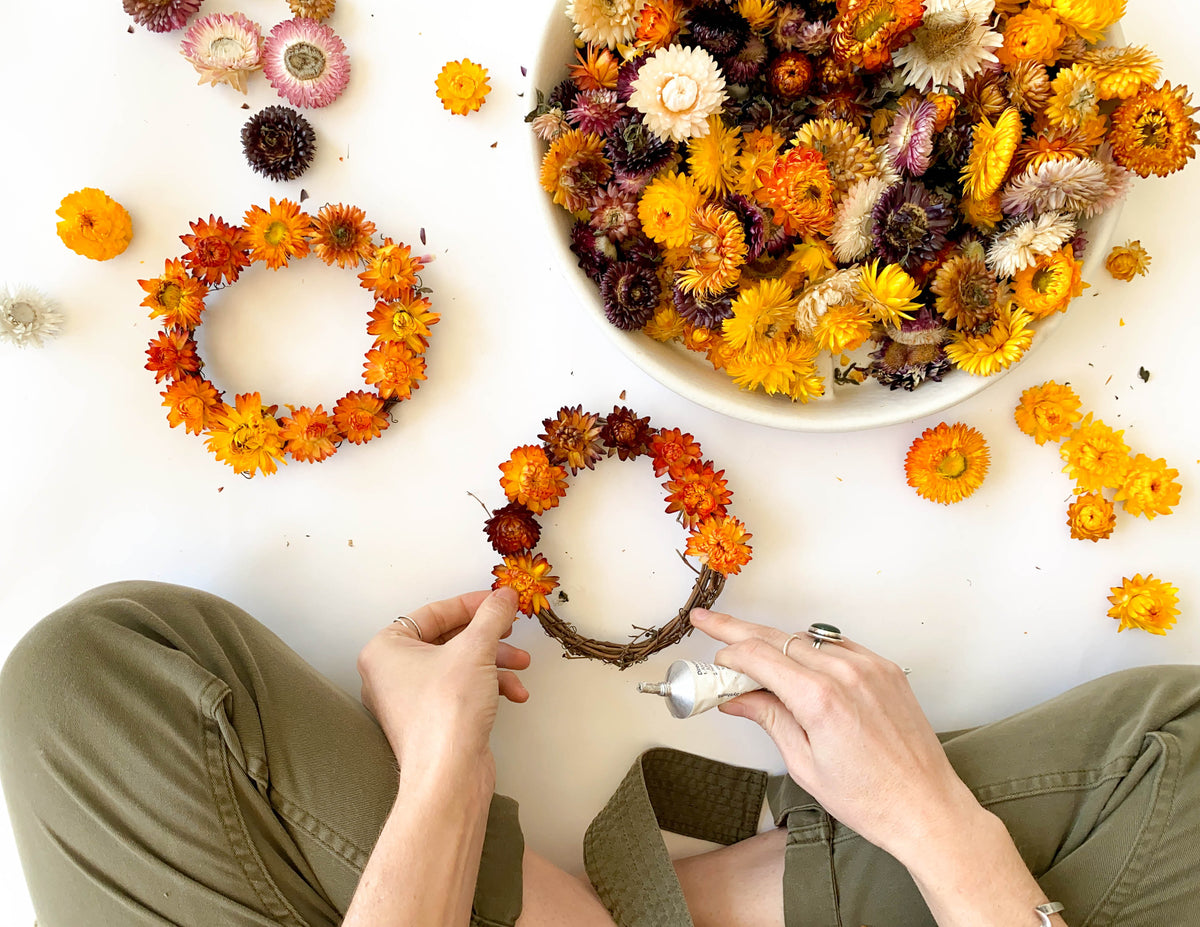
409,623
787,643
822,633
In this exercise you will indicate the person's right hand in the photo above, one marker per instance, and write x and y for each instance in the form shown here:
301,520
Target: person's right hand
849,729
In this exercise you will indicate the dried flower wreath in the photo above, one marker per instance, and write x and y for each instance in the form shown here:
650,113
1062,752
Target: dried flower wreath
534,480
248,436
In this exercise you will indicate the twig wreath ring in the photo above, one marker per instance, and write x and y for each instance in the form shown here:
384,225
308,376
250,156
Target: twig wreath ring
534,479
248,435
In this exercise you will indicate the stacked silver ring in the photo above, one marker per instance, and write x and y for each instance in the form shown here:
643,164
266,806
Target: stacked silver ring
409,623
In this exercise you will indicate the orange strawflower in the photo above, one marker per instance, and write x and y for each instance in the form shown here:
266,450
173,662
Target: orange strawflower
217,251
529,575
462,86
1127,261
1032,35
309,435
697,493
598,71
573,168
94,224
1153,132
360,416
1049,284
718,252
175,297
407,321
1149,487
394,370
866,32
342,235
1048,412
798,187
529,478
193,403
1149,604
673,450
391,271
1096,456
658,24
172,354
277,234
1091,517
247,436
947,463
720,544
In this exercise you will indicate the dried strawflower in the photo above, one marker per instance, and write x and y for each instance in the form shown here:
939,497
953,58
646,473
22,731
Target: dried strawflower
529,478
1028,86
844,328
797,186
614,213
666,208
312,9
719,543
711,157
910,225
849,155
630,293
605,22
1091,517
1049,285
1096,456
763,311
175,297
217,252
968,292
277,234
659,22
597,112
1032,35
512,530
1089,18
342,235
462,86
866,32
1146,603
306,62
790,76
1127,261
947,463
1074,99
624,433
1121,70
279,143
574,168
171,355
1070,186
1021,243
407,320
954,41
529,575
161,15
1003,344
391,271
224,48
676,90
360,416
889,293
1047,412
93,224
309,435
991,154
1153,132
851,235
698,492
27,318
599,70
572,439
1150,487
672,451
910,139
192,402
716,252
1117,183
247,437
393,370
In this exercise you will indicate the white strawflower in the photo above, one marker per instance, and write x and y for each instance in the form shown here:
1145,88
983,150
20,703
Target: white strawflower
605,22
1066,186
677,90
26,317
851,235
835,289
1020,245
953,43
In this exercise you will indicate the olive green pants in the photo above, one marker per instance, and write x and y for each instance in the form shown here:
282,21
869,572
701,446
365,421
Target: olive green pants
167,760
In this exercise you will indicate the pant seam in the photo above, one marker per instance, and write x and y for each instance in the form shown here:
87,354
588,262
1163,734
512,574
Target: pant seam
229,814
354,856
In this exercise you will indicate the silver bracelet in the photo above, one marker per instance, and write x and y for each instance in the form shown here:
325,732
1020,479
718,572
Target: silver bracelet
1044,911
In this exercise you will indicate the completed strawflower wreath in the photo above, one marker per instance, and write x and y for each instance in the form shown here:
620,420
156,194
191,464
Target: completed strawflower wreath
248,435
534,479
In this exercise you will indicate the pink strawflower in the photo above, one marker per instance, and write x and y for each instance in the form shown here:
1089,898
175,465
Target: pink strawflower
306,62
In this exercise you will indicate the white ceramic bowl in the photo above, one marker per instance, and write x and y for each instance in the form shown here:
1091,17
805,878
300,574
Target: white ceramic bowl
842,408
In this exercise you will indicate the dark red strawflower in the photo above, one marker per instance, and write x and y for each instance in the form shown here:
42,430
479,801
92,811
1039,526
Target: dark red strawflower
625,433
512,530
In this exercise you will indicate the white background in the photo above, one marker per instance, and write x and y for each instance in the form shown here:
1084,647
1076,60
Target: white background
990,602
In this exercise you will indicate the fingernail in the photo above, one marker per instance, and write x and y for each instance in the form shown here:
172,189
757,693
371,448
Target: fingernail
700,614
732,708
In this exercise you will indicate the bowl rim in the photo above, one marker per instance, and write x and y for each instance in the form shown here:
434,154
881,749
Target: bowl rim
689,375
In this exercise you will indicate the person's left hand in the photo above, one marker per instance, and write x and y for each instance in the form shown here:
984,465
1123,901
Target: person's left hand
439,696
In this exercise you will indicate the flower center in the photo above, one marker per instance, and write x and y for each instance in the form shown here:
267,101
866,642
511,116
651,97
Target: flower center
1045,280
212,252
464,86
275,234
22,312
225,50
316,431
680,93
247,436
403,323
1155,130
953,465
946,38
872,20
304,61
170,295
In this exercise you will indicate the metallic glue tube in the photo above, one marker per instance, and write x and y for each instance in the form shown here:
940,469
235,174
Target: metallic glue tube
692,687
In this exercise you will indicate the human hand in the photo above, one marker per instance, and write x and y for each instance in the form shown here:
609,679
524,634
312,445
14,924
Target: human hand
850,731
439,696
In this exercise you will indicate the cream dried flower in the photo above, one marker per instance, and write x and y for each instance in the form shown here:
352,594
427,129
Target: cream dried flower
605,22
224,48
1066,186
1117,181
953,43
1020,245
835,289
677,90
851,236
27,317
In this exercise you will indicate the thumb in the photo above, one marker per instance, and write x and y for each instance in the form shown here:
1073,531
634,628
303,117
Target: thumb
768,712
493,617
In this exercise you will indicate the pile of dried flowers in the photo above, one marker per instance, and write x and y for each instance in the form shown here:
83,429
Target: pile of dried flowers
763,180
249,436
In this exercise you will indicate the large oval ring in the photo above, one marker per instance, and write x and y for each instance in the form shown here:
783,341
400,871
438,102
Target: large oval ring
822,633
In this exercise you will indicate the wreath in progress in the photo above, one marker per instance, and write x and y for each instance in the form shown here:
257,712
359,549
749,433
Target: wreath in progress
534,479
248,435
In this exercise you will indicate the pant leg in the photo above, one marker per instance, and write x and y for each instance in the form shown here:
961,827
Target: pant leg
168,760
1099,787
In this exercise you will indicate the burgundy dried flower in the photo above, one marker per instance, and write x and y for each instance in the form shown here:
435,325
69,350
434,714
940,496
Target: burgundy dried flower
910,224
161,15
597,112
707,312
747,63
279,143
595,252
625,433
789,22
572,438
719,30
630,290
753,223
614,213
563,95
627,74
636,153
512,529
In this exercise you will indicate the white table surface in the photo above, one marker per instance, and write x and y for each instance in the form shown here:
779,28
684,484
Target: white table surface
990,602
